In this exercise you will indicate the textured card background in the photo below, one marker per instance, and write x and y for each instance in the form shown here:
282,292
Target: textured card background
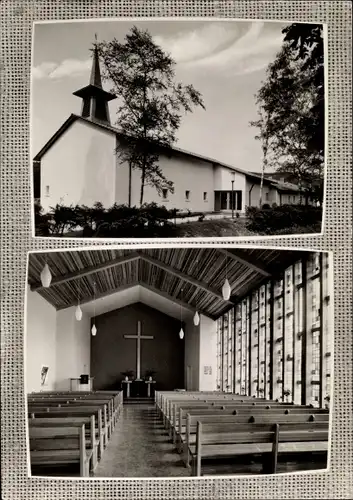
16,18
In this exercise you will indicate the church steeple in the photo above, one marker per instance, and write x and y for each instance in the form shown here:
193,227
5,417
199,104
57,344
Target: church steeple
94,98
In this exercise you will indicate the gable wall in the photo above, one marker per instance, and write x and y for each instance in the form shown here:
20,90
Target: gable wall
79,168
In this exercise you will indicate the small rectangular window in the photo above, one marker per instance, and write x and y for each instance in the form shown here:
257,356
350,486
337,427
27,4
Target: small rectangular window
187,195
46,190
267,196
165,194
205,196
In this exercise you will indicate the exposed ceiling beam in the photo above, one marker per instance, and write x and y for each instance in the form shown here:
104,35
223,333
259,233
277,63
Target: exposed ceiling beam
179,274
100,295
243,258
181,303
87,271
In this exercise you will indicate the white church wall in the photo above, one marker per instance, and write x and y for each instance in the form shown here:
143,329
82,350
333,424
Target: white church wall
73,346
79,168
192,356
268,194
223,178
188,175
208,355
40,342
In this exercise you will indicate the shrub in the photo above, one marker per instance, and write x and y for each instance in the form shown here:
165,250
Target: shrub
284,219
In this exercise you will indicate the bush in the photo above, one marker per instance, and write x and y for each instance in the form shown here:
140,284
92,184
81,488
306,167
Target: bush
119,221
284,219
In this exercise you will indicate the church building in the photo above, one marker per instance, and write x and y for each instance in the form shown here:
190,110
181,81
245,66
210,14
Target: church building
249,326
78,165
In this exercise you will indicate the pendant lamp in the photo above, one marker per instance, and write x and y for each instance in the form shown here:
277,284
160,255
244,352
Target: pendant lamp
226,290
45,276
78,313
196,319
94,328
181,333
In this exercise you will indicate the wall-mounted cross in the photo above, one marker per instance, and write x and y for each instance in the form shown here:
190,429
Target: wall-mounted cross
138,337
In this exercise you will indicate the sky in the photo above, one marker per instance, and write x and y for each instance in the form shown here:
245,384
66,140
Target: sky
225,60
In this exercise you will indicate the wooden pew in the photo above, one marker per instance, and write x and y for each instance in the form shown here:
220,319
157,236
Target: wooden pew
268,440
174,422
35,413
92,432
218,412
59,446
227,422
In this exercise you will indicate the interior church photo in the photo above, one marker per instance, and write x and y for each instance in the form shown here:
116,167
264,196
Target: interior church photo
178,362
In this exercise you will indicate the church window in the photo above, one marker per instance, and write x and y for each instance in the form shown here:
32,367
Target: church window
187,195
205,196
47,191
267,196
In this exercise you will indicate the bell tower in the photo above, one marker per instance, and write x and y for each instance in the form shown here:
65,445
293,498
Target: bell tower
94,98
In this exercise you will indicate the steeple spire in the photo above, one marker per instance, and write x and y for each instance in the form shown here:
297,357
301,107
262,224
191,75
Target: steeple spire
94,98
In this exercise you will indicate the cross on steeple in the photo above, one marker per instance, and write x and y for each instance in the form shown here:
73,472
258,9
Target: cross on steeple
94,98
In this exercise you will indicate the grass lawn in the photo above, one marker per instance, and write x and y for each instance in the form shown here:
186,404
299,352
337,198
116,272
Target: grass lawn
213,228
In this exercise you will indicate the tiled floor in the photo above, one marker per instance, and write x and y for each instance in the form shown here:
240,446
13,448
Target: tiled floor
140,447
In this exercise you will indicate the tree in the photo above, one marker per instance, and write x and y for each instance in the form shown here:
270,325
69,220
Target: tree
292,100
151,103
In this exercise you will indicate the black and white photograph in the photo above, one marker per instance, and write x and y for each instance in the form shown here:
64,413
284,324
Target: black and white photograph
177,128
178,362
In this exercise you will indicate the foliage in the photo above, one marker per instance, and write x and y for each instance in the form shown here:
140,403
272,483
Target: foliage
291,108
151,102
284,219
119,221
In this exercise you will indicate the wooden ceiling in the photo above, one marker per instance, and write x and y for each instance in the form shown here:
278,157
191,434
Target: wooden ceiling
189,276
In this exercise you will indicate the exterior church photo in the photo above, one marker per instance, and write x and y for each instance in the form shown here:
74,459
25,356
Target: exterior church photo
87,158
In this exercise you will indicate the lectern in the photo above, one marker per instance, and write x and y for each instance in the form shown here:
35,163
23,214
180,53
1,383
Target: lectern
83,383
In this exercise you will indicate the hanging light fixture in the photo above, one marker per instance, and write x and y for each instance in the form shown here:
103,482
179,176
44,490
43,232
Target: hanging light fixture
196,316
181,333
94,328
45,276
78,312
226,290
196,319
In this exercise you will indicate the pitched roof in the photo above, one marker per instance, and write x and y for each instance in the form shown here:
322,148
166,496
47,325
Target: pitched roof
73,117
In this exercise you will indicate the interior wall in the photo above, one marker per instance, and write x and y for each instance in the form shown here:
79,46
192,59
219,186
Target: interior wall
72,347
112,354
192,356
40,342
208,355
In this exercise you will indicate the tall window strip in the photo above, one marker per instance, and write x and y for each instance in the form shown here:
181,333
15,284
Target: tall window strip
268,340
313,339
288,335
262,342
328,346
298,330
276,342
254,341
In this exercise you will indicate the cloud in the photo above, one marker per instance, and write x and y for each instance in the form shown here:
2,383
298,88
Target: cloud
68,67
228,48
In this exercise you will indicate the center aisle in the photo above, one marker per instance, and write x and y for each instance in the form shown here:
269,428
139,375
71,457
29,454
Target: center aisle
140,447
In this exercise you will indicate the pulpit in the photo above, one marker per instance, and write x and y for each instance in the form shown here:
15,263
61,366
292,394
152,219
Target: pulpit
81,384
